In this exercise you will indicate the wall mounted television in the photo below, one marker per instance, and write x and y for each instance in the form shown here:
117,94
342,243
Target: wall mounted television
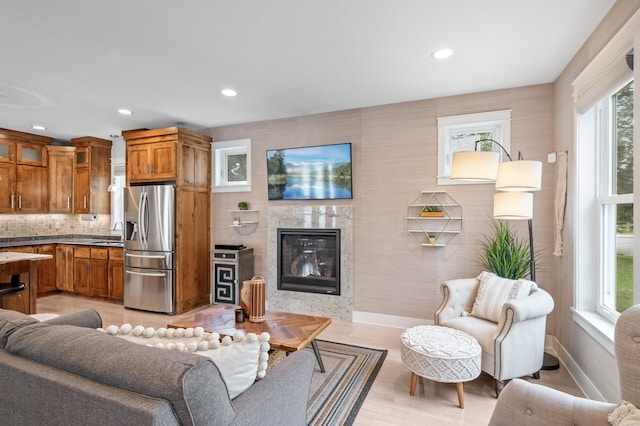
310,173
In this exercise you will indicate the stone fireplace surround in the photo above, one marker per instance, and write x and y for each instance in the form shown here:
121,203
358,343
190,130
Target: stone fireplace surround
312,217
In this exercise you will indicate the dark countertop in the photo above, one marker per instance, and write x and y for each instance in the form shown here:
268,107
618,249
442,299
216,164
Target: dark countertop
84,240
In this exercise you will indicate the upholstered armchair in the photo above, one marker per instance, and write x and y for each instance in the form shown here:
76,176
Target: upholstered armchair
524,403
513,340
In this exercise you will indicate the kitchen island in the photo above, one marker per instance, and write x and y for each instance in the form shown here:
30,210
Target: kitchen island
12,266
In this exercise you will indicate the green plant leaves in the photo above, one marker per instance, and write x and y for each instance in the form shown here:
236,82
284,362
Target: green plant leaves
504,253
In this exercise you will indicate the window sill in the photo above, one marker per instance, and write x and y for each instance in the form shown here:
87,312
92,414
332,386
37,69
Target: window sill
597,327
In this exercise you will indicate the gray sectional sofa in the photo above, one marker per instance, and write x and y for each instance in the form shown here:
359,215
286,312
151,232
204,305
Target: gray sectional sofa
64,372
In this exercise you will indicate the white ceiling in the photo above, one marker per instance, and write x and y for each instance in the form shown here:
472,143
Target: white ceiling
70,64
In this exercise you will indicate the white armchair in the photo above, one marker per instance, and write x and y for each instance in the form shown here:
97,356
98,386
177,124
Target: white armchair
524,403
512,347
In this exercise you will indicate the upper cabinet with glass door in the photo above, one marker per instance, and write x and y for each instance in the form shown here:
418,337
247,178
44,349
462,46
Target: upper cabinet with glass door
23,162
31,154
7,151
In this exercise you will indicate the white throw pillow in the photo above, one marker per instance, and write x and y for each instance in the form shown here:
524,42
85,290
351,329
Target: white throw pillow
241,359
625,414
494,291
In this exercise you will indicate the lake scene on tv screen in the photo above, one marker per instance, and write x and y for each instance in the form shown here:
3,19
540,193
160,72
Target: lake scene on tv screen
310,173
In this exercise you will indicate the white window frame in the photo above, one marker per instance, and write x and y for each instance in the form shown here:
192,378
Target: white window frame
496,122
606,202
220,151
602,77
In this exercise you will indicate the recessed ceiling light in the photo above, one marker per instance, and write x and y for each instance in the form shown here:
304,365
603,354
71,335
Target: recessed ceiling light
229,92
442,53
124,111
39,127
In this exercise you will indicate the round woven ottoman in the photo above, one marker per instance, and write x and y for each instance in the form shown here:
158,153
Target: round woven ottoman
441,354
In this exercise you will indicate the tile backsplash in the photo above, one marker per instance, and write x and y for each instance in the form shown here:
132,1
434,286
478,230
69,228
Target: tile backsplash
27,225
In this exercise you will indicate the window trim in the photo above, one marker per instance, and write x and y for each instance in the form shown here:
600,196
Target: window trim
599,78
499,122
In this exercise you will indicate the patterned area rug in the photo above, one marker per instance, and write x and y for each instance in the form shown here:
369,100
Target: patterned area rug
337,395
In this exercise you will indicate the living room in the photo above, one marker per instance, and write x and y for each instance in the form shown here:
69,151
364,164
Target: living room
395,151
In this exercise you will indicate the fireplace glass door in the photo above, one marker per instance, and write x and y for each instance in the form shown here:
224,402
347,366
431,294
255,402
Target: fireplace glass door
309,260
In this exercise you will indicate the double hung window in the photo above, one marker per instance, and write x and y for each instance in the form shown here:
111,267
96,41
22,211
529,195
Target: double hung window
604,161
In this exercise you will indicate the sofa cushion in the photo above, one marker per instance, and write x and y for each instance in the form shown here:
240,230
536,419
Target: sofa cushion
192,384
494,291
240,360
11,321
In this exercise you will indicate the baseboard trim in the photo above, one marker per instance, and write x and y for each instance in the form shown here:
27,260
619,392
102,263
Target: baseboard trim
577,374
388,320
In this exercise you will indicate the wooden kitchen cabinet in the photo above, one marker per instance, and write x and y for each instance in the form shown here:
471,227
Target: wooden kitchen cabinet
90,266
194,169
81,190
92,175
23,172
31,189
170,154
81,270
61,172
148,162
7,151
32,154
64,267
7,187
99,272
47,269
116,273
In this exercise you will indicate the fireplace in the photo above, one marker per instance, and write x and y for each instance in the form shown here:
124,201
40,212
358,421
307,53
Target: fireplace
309,260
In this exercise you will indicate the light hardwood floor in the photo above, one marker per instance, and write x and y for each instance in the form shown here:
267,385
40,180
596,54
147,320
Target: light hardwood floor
388,402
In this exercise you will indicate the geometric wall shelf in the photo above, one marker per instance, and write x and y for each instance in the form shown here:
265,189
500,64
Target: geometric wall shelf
434,219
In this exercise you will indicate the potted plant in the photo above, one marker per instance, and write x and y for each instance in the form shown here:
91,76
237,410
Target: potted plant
432,238
243,205
504,253
431,211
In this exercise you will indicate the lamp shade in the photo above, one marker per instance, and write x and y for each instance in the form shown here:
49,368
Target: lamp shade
513,205
519,175
475,166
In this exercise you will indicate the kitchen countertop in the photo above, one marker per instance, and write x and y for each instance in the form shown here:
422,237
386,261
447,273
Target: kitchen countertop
85,240
11,257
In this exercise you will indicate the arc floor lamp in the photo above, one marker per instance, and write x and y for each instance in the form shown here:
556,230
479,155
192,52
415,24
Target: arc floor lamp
515,181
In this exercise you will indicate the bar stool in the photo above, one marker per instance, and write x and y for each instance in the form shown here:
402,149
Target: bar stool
13,288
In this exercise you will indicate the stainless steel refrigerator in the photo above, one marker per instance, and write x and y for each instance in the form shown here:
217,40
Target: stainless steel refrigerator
149,248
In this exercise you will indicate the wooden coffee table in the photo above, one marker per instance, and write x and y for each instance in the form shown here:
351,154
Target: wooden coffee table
289,332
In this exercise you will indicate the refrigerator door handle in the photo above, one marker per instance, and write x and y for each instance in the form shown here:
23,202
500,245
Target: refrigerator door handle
146,274
142,216
143,256
146,217
134,232
140,201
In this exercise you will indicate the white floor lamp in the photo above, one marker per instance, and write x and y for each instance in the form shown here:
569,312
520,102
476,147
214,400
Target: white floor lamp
515,180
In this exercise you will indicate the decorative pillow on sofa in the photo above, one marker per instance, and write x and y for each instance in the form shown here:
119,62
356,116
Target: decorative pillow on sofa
494,291
625,414
241,360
